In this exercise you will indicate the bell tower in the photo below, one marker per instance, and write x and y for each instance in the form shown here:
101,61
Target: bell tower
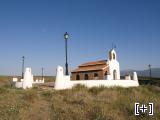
114,65
112,55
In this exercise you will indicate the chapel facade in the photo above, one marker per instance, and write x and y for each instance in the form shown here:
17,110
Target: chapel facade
98,70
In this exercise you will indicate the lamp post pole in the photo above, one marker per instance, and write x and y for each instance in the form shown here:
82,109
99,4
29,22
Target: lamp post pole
66,35
150,74
23,67
42,73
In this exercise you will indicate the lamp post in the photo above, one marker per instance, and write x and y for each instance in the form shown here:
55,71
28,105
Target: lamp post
150,74
42,72
23,66
66,36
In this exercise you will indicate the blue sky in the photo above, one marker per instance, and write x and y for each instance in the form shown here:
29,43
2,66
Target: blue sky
35,28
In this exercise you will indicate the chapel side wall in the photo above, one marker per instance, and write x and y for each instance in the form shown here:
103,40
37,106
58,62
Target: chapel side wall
81,76
90,75
100,75
73,76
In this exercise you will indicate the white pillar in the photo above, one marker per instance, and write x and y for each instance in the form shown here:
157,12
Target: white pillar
127,77
28,79
60,80
135,76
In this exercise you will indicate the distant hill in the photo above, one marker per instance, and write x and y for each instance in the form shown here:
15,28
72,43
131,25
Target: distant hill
155,72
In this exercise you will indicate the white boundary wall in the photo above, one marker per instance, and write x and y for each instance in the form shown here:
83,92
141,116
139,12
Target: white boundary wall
27,82
64,82
18,84
38,81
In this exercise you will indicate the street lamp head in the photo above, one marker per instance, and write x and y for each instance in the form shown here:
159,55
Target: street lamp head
66,36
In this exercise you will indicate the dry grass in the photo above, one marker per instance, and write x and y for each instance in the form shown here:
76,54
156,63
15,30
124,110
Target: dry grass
79,103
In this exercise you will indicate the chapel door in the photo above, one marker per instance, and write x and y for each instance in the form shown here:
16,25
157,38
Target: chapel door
114,75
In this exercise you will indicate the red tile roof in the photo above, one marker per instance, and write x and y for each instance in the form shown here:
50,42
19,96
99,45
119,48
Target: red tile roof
99,62
91,66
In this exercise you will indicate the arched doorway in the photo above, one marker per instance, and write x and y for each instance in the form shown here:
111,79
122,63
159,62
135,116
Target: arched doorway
77,77
86,76
114,75
95,76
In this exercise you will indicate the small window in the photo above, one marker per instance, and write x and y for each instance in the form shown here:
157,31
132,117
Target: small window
77,77
86,77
